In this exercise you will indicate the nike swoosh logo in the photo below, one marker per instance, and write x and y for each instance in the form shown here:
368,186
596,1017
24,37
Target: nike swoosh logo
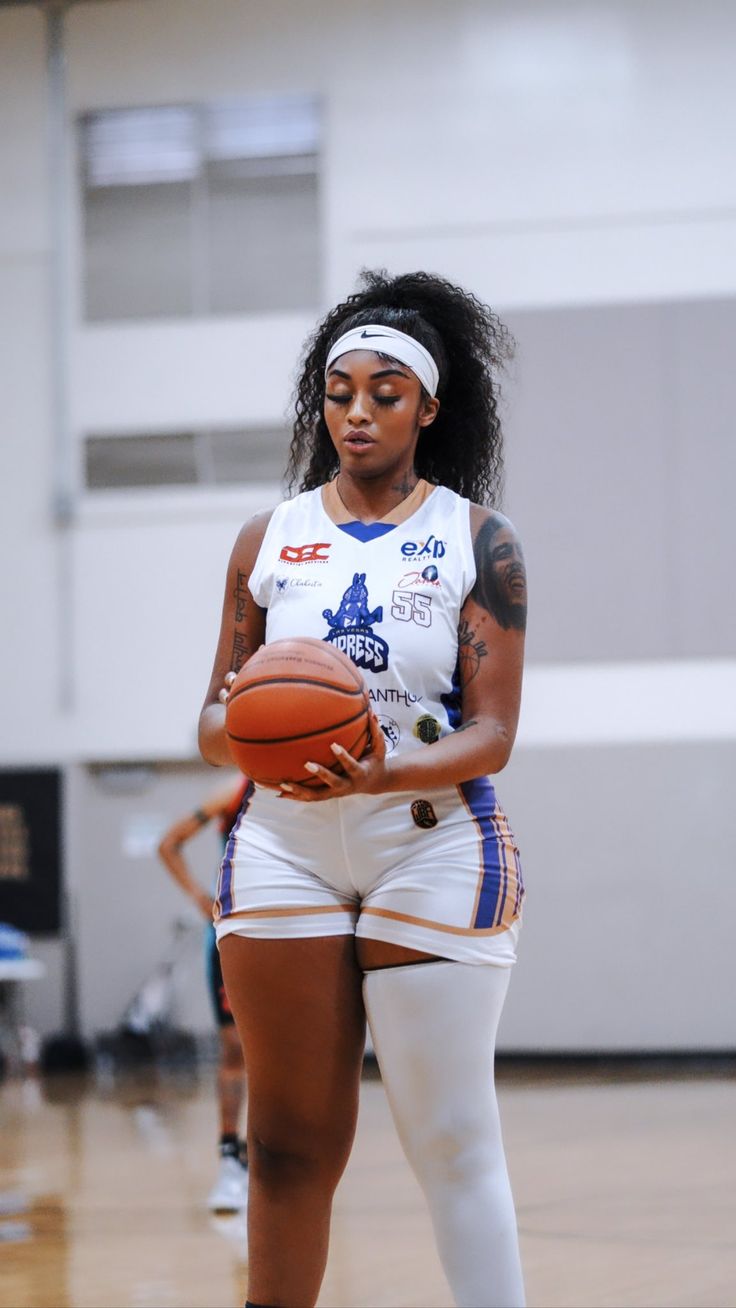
369,334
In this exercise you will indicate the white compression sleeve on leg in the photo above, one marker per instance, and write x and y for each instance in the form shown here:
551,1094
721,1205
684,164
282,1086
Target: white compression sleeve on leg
434,1031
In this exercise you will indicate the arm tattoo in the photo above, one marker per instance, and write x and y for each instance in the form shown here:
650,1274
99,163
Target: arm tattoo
240,652
500,586
470,651
241,595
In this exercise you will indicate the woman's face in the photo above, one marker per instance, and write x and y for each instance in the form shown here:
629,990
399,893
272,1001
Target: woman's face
374,410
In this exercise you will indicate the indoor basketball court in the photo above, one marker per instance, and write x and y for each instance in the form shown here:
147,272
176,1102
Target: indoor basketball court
188,190
623,1179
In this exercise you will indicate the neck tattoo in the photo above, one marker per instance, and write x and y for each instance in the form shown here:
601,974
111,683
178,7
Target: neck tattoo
409,482
405,488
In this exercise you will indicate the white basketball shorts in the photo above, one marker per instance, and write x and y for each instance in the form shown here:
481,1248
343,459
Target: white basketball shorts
438,873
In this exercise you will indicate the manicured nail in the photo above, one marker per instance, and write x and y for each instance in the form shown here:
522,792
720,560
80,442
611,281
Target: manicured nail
312,767
285,786
337,749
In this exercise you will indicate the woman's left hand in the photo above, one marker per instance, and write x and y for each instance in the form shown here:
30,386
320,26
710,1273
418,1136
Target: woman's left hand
365,776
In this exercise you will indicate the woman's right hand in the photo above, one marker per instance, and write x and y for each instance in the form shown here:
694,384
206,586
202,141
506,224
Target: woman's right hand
224,693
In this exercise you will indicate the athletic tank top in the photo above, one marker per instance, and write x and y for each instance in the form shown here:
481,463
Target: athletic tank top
388,595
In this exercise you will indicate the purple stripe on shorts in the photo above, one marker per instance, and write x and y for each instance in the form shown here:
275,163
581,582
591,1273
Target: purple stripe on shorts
480,798
225,895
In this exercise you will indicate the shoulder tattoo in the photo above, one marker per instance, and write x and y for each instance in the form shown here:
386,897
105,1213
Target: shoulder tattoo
500,586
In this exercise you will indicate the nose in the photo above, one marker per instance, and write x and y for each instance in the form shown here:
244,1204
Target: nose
358,410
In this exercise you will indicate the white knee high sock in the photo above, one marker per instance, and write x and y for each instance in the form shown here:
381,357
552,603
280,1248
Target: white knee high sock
434,1030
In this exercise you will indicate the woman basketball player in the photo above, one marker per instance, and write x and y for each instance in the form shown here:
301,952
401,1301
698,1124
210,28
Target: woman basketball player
394,889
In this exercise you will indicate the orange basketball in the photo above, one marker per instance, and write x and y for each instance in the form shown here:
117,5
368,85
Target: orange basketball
288,704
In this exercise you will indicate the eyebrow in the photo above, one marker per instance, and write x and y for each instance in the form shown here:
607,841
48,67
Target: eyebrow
384,372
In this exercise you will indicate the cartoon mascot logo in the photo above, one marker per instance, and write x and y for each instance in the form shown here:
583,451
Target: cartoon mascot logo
351,627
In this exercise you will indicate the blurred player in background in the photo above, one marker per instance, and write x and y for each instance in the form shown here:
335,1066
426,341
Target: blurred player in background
230,1191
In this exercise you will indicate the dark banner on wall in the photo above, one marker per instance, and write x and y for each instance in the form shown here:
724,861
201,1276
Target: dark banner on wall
30,849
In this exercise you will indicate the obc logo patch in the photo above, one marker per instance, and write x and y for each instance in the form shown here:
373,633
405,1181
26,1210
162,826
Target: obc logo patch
423,814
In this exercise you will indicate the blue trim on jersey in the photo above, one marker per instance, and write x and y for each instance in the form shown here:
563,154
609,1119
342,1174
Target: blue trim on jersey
452,701
480,798
226,870
365,531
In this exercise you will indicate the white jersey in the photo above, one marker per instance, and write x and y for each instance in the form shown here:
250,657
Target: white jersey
437,871
388,594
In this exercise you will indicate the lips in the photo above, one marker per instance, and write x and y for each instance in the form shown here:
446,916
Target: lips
515,577
358,440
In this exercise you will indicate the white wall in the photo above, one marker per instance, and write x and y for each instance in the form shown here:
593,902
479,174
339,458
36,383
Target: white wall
28,576
548,153
551,156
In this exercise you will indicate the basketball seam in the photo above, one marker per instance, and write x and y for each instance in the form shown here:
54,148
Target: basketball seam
303,735
313,783
296,680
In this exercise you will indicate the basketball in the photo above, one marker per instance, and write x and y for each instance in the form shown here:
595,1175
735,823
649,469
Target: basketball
288,704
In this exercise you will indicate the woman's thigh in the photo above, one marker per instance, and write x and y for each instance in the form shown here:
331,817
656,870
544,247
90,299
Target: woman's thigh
299,1012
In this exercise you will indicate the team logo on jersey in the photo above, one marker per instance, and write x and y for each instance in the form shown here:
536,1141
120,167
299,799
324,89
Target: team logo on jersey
390,730
423,814
431,548
429,576
351,627
427,729
316,552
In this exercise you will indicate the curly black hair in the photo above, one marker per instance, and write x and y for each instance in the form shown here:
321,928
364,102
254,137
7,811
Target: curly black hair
463,448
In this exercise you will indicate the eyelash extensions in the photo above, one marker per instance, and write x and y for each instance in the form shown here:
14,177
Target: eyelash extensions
383,400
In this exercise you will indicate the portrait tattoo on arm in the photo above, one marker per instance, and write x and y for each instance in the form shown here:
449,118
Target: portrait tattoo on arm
500,587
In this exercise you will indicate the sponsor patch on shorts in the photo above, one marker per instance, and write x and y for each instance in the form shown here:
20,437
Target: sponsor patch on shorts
423,814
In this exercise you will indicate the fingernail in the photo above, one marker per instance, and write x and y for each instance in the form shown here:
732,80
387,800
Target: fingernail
311,767
285,786
336,749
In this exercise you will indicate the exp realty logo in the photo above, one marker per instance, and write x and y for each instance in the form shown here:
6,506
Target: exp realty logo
431,548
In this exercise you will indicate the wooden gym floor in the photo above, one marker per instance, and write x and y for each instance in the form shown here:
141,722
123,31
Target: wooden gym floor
625,1186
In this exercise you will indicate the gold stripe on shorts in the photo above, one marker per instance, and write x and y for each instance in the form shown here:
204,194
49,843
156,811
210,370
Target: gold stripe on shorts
437,926
292,912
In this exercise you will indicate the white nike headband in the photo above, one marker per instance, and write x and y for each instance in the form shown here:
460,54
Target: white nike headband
387,340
